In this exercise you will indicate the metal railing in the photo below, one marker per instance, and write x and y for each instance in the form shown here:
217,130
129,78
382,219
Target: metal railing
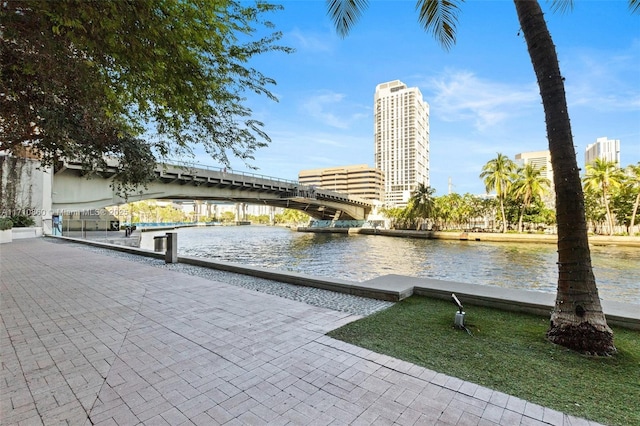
187,164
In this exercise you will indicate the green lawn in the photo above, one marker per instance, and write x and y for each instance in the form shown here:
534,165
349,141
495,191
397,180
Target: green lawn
507,352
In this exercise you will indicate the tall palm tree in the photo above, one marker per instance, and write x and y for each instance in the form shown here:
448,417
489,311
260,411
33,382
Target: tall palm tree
633,174
421,204
528,184
496,174
577,321
602,177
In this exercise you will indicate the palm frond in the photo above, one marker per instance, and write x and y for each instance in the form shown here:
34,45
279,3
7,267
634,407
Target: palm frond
440,18
562,6
634,6
345,13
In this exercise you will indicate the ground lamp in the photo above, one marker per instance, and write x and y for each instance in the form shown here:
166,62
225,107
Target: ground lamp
459,319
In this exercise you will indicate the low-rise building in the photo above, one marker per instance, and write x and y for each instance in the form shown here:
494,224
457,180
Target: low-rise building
360,181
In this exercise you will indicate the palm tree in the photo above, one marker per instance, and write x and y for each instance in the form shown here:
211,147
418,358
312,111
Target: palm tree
394,214
442,212
602,177
496,174
421,203
528,184
633,174
577,321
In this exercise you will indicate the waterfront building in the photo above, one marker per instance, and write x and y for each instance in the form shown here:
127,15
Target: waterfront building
360,181
401,140
606,149
542,161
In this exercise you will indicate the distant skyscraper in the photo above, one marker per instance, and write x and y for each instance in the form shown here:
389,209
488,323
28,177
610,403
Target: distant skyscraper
607,149
401,140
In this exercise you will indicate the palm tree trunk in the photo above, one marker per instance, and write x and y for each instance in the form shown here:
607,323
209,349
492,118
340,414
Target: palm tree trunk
520,220
605,200
633,215
577,321
504,217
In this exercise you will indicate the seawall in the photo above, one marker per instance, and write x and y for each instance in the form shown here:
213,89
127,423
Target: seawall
600,240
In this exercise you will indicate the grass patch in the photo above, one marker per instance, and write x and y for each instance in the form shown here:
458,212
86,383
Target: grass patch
509,353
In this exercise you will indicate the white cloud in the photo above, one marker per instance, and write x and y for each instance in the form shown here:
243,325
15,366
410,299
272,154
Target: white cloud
311,42
604,80
332,110
462,96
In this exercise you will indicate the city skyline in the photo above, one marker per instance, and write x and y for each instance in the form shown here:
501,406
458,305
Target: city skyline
482,93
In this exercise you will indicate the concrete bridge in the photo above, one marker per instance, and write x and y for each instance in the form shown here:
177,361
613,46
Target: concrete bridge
76,190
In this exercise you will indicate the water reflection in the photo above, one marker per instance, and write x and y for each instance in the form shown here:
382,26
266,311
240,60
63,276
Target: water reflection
363,257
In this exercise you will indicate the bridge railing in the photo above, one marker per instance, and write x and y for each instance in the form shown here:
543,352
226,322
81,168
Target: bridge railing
227,170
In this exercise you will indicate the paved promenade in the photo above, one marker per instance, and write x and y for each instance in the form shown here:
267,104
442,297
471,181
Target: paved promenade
88,339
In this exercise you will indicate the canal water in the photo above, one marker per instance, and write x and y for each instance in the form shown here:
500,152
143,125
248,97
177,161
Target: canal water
361,257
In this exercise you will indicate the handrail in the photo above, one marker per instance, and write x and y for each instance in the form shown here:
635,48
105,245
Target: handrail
225,170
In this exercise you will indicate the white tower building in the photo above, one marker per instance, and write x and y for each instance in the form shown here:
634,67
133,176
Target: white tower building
401,140
606,149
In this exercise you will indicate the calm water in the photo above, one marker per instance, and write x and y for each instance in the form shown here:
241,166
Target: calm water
362,257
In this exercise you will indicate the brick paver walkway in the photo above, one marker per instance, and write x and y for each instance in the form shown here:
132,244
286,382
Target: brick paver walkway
88,339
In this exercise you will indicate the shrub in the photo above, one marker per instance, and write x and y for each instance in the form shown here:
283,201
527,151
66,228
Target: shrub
5,223
22,221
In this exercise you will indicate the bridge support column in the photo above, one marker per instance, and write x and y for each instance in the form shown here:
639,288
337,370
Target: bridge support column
241,212
272,215
197,210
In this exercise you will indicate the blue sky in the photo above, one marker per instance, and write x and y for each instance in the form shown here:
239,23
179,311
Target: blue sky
482,93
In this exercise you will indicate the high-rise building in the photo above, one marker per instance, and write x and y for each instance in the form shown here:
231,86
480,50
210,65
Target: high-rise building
401,140
359,181
542,161
606,149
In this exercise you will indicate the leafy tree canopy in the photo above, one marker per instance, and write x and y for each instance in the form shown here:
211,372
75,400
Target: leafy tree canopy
131,80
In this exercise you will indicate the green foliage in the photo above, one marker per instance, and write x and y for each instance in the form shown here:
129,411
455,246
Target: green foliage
227,217
507,352
496,175
131,81
622,203
447,212
22,221
612,196
421,204
148,211
292,217
626,200
262,219
5,223
604,178
527,185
